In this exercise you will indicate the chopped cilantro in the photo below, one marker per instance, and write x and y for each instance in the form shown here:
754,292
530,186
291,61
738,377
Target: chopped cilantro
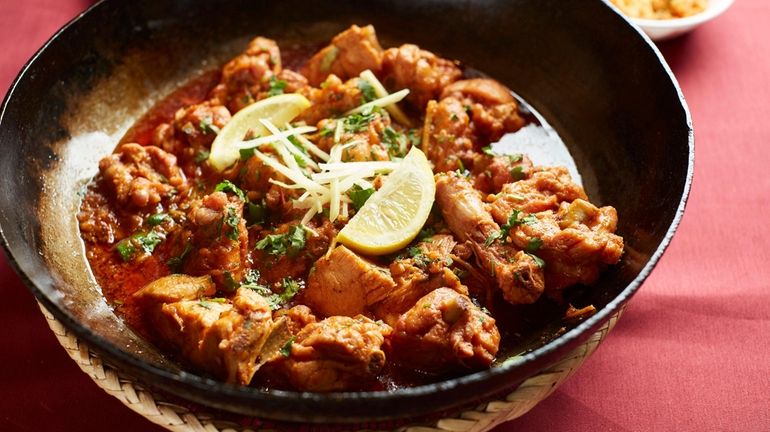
284,244
157,219
488,151
206,126
300,161
290,288
454,117
518,172
232,220
394,141
533,245
516,157
148,241
529,219
326,130
492,237
419,258
359,195
505,229
230,283
228,186
204,304
251,277
414,137
175,262
126,249
357,122
467,108
276,86
246,153
367,91
540,263
202,156
256,213
286,348
293,139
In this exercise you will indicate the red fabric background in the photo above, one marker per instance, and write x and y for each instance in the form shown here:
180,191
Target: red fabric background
691,352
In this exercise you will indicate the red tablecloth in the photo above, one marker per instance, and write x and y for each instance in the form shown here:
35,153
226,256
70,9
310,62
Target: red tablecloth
690,354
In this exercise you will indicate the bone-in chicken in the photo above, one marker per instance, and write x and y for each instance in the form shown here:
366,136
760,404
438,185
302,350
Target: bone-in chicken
443,331
469,220
343,283
338,353
222,337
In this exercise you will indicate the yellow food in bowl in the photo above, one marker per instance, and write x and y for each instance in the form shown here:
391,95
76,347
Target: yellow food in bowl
661,9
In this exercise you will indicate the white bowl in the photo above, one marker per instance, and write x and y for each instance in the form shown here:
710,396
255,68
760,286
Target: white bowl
663,29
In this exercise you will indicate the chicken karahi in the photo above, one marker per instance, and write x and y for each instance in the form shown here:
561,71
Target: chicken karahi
327,223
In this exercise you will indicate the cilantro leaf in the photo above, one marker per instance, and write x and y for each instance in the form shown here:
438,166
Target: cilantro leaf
276,86
395,142
359,195
518,173
533,245
157,219
367,91
358,122
289,244
540,263
175,262
232,220
126,249
256,213
228,186
286,348
206,125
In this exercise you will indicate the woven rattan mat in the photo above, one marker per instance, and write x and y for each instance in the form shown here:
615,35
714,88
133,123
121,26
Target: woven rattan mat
160,410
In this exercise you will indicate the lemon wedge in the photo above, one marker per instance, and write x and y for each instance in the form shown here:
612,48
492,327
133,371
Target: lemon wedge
394,215
279,110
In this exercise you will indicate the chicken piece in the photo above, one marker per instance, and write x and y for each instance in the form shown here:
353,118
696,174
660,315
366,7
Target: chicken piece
199,124
491,173
299,317
448,136
425,269
333,99
221,337
445,331
422,72
471,115
293,250
576,243
349,53
254,178
491,106
219,238
468,219
248,74
141,177
344,283
291,81
364,136
544,190
338,353
176,287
